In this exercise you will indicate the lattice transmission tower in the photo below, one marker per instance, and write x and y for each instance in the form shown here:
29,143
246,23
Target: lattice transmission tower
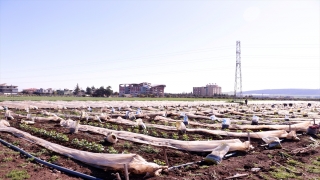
238,77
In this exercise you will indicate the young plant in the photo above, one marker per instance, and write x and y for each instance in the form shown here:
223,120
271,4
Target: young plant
127,145
159,162
111,150
107,125
115,127
18,174
148,149
7,159
136,130
53,158
185,137
175,136
164,134
154,133
196,137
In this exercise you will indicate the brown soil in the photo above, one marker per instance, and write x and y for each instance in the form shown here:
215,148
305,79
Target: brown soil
242,163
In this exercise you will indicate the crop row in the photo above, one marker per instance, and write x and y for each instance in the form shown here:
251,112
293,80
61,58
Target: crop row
153,132
50,134
82,143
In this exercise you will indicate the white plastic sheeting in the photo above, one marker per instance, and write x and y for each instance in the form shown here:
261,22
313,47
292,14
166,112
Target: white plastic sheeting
136,163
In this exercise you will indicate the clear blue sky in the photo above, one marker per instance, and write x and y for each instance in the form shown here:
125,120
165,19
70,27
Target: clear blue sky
57,44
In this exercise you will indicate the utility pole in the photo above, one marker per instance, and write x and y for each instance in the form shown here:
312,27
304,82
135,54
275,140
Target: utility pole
238,77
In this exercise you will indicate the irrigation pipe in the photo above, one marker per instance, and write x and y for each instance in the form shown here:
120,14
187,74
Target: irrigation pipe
198,162
181,165
75,173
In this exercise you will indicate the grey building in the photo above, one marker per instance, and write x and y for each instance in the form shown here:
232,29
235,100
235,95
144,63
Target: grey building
8,89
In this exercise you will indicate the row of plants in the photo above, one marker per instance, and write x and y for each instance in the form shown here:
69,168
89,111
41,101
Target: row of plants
80,143
91,146
50,134
153,132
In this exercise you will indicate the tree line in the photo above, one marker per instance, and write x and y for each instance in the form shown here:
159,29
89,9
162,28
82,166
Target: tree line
95,92
77,91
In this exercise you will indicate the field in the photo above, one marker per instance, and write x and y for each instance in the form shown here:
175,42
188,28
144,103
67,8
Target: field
72,98
160,145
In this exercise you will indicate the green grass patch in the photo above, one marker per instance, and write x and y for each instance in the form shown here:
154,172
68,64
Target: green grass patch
281,173
127,145
42,151
292,162
23,165
264,176
313,169
159,162
53,158
317,163
148,149
7,159
18,174
16,143
111,150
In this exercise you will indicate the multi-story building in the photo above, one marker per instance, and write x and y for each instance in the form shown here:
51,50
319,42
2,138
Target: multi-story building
65,92
209,90
44,91
135,89
8,89
29,90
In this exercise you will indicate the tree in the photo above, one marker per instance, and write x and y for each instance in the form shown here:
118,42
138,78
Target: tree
89,91
102,92
76,90
93,89
99,92
109,91
25,92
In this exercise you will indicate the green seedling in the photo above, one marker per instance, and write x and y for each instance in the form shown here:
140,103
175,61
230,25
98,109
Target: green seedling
159,162
18,174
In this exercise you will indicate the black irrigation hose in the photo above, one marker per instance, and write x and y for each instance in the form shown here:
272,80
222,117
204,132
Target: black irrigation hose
75,173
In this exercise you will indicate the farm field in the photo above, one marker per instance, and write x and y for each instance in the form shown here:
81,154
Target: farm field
146,132
72,98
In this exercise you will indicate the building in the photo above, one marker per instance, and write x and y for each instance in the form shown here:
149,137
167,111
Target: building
136,89
29,91
8,89
44,91
209,90
65,92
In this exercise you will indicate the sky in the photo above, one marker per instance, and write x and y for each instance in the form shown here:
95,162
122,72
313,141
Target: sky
182,44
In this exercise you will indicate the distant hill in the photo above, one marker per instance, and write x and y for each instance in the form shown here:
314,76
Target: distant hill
288,92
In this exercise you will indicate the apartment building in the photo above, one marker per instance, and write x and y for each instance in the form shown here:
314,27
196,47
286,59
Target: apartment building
64,92
208,90
135,89
8,89
44,91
